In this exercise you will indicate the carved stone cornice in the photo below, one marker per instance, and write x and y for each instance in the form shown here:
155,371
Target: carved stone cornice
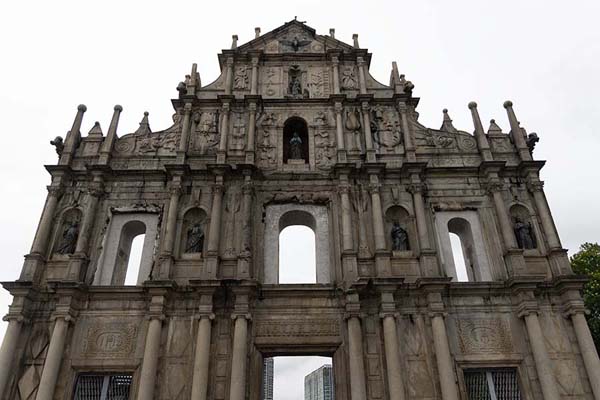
494,186
55,191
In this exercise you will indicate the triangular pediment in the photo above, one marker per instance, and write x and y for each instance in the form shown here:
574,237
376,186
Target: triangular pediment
293,37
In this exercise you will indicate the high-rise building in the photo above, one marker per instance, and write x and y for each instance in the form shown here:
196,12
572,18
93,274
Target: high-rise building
296,131
318,385
267,391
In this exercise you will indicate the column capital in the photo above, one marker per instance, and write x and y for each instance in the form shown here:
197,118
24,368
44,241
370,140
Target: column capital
535,186
365,106
344,189
374,188
385,314
156,315
217,188
338,107
55,191
494,186
15,317
247,188
236,315
360,61
226,107
437,313
416,188
204,315
175,189
574,307
66,316
527,308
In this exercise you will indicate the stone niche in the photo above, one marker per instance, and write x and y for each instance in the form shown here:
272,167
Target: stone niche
280,216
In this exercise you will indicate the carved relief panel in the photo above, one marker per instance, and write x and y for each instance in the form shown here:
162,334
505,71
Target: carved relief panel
205,132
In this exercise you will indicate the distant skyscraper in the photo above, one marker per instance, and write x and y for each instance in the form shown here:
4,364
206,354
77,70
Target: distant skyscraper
267,389
318,385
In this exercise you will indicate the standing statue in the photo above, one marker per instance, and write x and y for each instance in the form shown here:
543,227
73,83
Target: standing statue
295,86
195,239
296,147
524,234
399,238
69,239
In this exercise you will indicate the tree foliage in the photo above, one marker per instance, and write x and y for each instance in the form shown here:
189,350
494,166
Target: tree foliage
587,262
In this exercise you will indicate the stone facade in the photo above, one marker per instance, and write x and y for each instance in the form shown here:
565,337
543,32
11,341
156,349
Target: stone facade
296,131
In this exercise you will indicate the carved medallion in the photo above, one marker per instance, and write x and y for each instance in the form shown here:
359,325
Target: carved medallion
484,336
109,340
308,327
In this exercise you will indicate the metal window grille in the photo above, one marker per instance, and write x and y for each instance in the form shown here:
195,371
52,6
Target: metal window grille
102,387
493,384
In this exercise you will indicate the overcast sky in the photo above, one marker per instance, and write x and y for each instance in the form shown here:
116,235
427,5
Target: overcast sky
543,55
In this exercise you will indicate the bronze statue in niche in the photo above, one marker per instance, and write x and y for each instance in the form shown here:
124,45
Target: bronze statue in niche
295,147
68,241
399,238
295,141
524,234
195,239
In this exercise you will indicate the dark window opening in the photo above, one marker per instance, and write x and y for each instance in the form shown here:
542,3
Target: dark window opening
102,387
295,141
492,384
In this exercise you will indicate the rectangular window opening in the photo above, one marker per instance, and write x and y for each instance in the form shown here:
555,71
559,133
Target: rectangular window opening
298,378
492,384
102,387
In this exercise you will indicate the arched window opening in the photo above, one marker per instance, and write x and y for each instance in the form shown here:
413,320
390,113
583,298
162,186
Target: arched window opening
295,141
461,239
135,260
297,260
459,261
131,230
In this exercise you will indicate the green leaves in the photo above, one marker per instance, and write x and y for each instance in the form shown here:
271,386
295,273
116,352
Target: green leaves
587,262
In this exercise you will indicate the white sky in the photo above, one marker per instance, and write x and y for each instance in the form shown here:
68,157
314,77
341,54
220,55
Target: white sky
543,55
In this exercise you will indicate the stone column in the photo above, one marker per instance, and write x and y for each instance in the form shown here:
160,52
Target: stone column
335,63
390,340
536,188
7,350
245,255
409,147
416,189
254,79
166,257
185,133
495,189
378,230
543,364
357,367
339,130
517,133
587,350
214,233
202,354
228,75
224,134
251,133
347,243
111,137
480,136
443,357
72,137
362,75
53,359
147,382
39,248
367,131
80,256
238,362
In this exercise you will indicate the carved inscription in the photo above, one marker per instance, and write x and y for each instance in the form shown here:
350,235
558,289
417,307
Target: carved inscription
320,327
109,340
484,336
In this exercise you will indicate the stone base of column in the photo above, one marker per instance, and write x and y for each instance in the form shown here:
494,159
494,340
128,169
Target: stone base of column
249,157
429,264
243,267
211,263
165,263
32,267
221,156
559,262
515,263
371,156
349,266
383,265
77,264
180,157
342,156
